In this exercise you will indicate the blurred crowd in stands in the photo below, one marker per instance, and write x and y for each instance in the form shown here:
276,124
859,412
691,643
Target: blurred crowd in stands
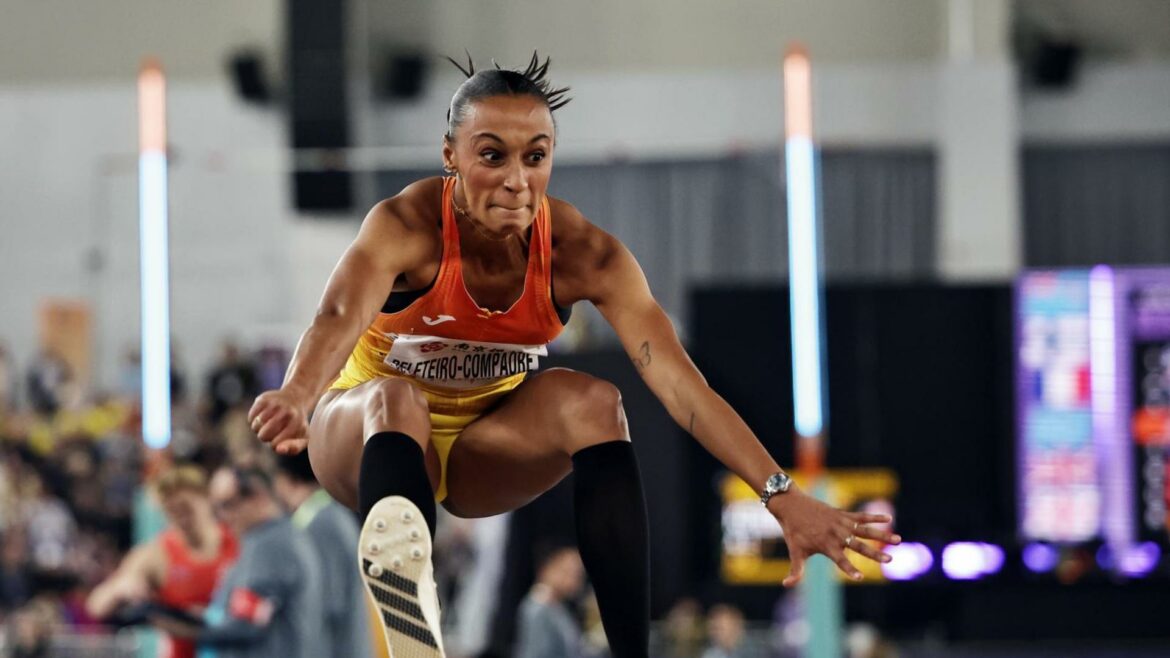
72,466
73,470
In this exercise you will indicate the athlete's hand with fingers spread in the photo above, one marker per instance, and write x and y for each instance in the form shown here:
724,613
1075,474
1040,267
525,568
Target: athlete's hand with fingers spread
811,527
279,419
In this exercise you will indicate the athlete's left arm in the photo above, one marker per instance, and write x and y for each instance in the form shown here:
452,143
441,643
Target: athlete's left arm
621,293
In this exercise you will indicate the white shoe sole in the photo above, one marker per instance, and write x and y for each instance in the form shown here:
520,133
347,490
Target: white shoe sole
395,557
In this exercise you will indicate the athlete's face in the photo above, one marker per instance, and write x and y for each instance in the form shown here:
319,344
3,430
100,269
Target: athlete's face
503,154
185,510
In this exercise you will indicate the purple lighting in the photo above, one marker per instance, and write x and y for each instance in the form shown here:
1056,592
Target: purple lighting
908,561
1139,560
1110,414
1040,558
1105,558
970,560
1135,561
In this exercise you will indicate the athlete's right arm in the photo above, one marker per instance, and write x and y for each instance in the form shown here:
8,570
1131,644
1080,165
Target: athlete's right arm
132,582
389,243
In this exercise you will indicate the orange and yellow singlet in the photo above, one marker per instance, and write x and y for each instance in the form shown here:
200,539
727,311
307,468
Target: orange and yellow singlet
461,356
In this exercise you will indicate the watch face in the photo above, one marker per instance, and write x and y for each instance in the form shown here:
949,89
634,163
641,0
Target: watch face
779,483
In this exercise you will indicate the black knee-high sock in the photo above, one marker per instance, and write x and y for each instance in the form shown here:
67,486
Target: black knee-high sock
394,465
612,535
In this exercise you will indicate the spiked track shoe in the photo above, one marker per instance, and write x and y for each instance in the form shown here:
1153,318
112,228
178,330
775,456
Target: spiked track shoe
395,557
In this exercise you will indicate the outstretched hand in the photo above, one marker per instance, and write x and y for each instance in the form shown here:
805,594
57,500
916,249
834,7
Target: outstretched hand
278,418
810,527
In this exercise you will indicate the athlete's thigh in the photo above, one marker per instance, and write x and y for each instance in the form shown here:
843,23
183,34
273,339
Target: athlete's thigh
513,453
336,439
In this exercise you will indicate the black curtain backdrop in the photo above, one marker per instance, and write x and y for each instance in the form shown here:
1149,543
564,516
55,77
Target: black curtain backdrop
920,380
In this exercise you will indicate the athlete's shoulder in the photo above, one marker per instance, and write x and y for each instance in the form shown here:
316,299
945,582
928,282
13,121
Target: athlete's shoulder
584,255
150,559
578,240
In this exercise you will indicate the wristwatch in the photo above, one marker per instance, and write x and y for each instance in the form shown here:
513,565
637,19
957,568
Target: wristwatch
776,484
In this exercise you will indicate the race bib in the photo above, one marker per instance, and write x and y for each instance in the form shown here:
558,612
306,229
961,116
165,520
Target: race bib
460,364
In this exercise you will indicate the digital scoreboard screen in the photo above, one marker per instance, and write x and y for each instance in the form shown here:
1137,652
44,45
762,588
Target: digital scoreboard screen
1148,302
1093,401
1060,493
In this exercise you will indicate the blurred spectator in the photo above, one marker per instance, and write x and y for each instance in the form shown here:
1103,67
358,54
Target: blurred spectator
683,630
186,431
15,579
31,631
594,644
49,523
178,569
7,382
789,630
93,559
232,383
48,377
178,375
545,627
271,364
455,558
76,421
120,468
469,569
268,605
334,531
725,633
11,474
865,641
129,384
78,463
130,374
240,442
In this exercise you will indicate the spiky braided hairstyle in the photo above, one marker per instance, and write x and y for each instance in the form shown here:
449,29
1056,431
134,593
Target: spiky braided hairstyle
532,81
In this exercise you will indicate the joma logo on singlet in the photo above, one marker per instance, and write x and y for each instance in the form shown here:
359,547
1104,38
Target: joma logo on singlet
439,320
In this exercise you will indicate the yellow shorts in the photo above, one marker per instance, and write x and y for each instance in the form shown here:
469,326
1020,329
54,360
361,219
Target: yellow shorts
452,410
445,430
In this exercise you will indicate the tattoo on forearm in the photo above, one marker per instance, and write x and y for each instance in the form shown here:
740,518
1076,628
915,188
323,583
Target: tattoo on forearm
691,429
643,359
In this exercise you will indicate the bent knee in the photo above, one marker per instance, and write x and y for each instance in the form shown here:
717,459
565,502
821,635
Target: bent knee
592,411
397,405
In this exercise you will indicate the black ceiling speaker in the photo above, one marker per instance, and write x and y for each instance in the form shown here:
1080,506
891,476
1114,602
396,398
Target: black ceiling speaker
248,78
318,107
403,76
1054,63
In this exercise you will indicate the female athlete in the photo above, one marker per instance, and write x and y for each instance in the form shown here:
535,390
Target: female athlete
435,316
